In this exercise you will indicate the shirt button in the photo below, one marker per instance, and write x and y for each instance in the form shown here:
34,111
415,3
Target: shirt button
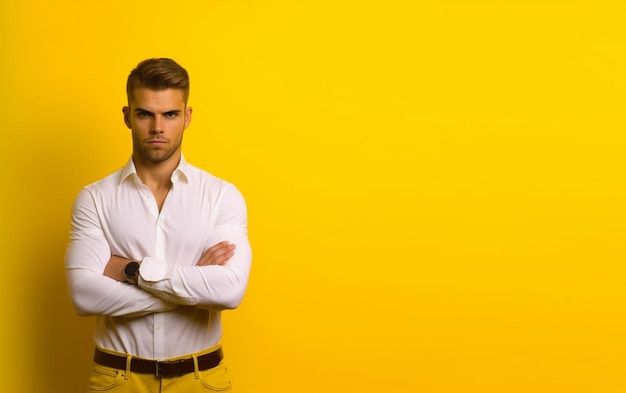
158,328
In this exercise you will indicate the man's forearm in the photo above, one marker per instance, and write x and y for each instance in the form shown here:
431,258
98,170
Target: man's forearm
116,266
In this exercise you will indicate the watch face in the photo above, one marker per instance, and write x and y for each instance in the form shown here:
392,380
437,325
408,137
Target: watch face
131,269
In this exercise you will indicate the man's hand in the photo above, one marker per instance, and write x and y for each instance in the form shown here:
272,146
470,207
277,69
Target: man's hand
115,268
218,254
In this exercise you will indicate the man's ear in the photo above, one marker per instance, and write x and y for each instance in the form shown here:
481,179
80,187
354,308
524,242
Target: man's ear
126,112
188,111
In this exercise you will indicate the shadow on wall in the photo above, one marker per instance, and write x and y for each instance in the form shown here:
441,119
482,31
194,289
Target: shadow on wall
64,338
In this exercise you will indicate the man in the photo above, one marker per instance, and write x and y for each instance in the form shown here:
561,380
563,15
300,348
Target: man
157,249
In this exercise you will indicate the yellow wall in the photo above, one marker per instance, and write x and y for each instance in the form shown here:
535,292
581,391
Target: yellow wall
435,188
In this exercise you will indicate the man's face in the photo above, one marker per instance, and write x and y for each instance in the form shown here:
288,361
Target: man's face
158,119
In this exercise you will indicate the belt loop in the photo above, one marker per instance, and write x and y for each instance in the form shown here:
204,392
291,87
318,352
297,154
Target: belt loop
128,361
196,371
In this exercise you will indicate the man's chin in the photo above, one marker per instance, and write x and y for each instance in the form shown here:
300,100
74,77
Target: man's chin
158,157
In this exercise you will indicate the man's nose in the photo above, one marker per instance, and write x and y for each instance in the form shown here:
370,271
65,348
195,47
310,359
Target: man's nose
157,125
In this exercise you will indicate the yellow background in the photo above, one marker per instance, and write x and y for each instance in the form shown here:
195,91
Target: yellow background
435,188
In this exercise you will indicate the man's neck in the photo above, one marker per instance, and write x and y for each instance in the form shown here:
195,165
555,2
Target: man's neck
156,176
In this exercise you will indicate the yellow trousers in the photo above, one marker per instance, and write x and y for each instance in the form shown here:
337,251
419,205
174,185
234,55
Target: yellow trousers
107,379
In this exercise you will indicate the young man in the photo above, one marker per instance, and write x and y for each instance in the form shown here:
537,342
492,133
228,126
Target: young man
156,250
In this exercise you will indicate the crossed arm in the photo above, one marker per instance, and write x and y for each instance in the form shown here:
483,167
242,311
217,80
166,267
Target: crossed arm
218,254
211,283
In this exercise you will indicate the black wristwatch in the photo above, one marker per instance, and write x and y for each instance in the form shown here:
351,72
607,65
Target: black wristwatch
131,271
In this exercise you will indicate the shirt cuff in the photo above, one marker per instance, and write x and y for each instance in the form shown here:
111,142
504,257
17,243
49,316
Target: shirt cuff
152,269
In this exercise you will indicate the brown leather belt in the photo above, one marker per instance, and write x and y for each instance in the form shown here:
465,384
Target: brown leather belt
160,368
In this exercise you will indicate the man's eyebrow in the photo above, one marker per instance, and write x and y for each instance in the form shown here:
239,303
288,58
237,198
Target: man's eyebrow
137,110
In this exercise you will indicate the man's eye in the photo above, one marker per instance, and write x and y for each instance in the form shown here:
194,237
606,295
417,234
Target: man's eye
171,115
143,114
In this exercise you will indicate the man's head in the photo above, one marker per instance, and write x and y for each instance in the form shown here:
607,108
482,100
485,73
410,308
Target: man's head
157,111
158,74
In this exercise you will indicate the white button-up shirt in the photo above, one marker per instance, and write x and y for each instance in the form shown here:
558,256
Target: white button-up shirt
175,309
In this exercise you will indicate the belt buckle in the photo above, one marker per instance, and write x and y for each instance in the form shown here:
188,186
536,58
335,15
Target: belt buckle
160,367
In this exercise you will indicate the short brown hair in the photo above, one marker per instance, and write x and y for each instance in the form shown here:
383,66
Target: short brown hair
158,74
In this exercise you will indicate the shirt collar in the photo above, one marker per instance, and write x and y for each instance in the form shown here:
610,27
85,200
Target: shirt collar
181,173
